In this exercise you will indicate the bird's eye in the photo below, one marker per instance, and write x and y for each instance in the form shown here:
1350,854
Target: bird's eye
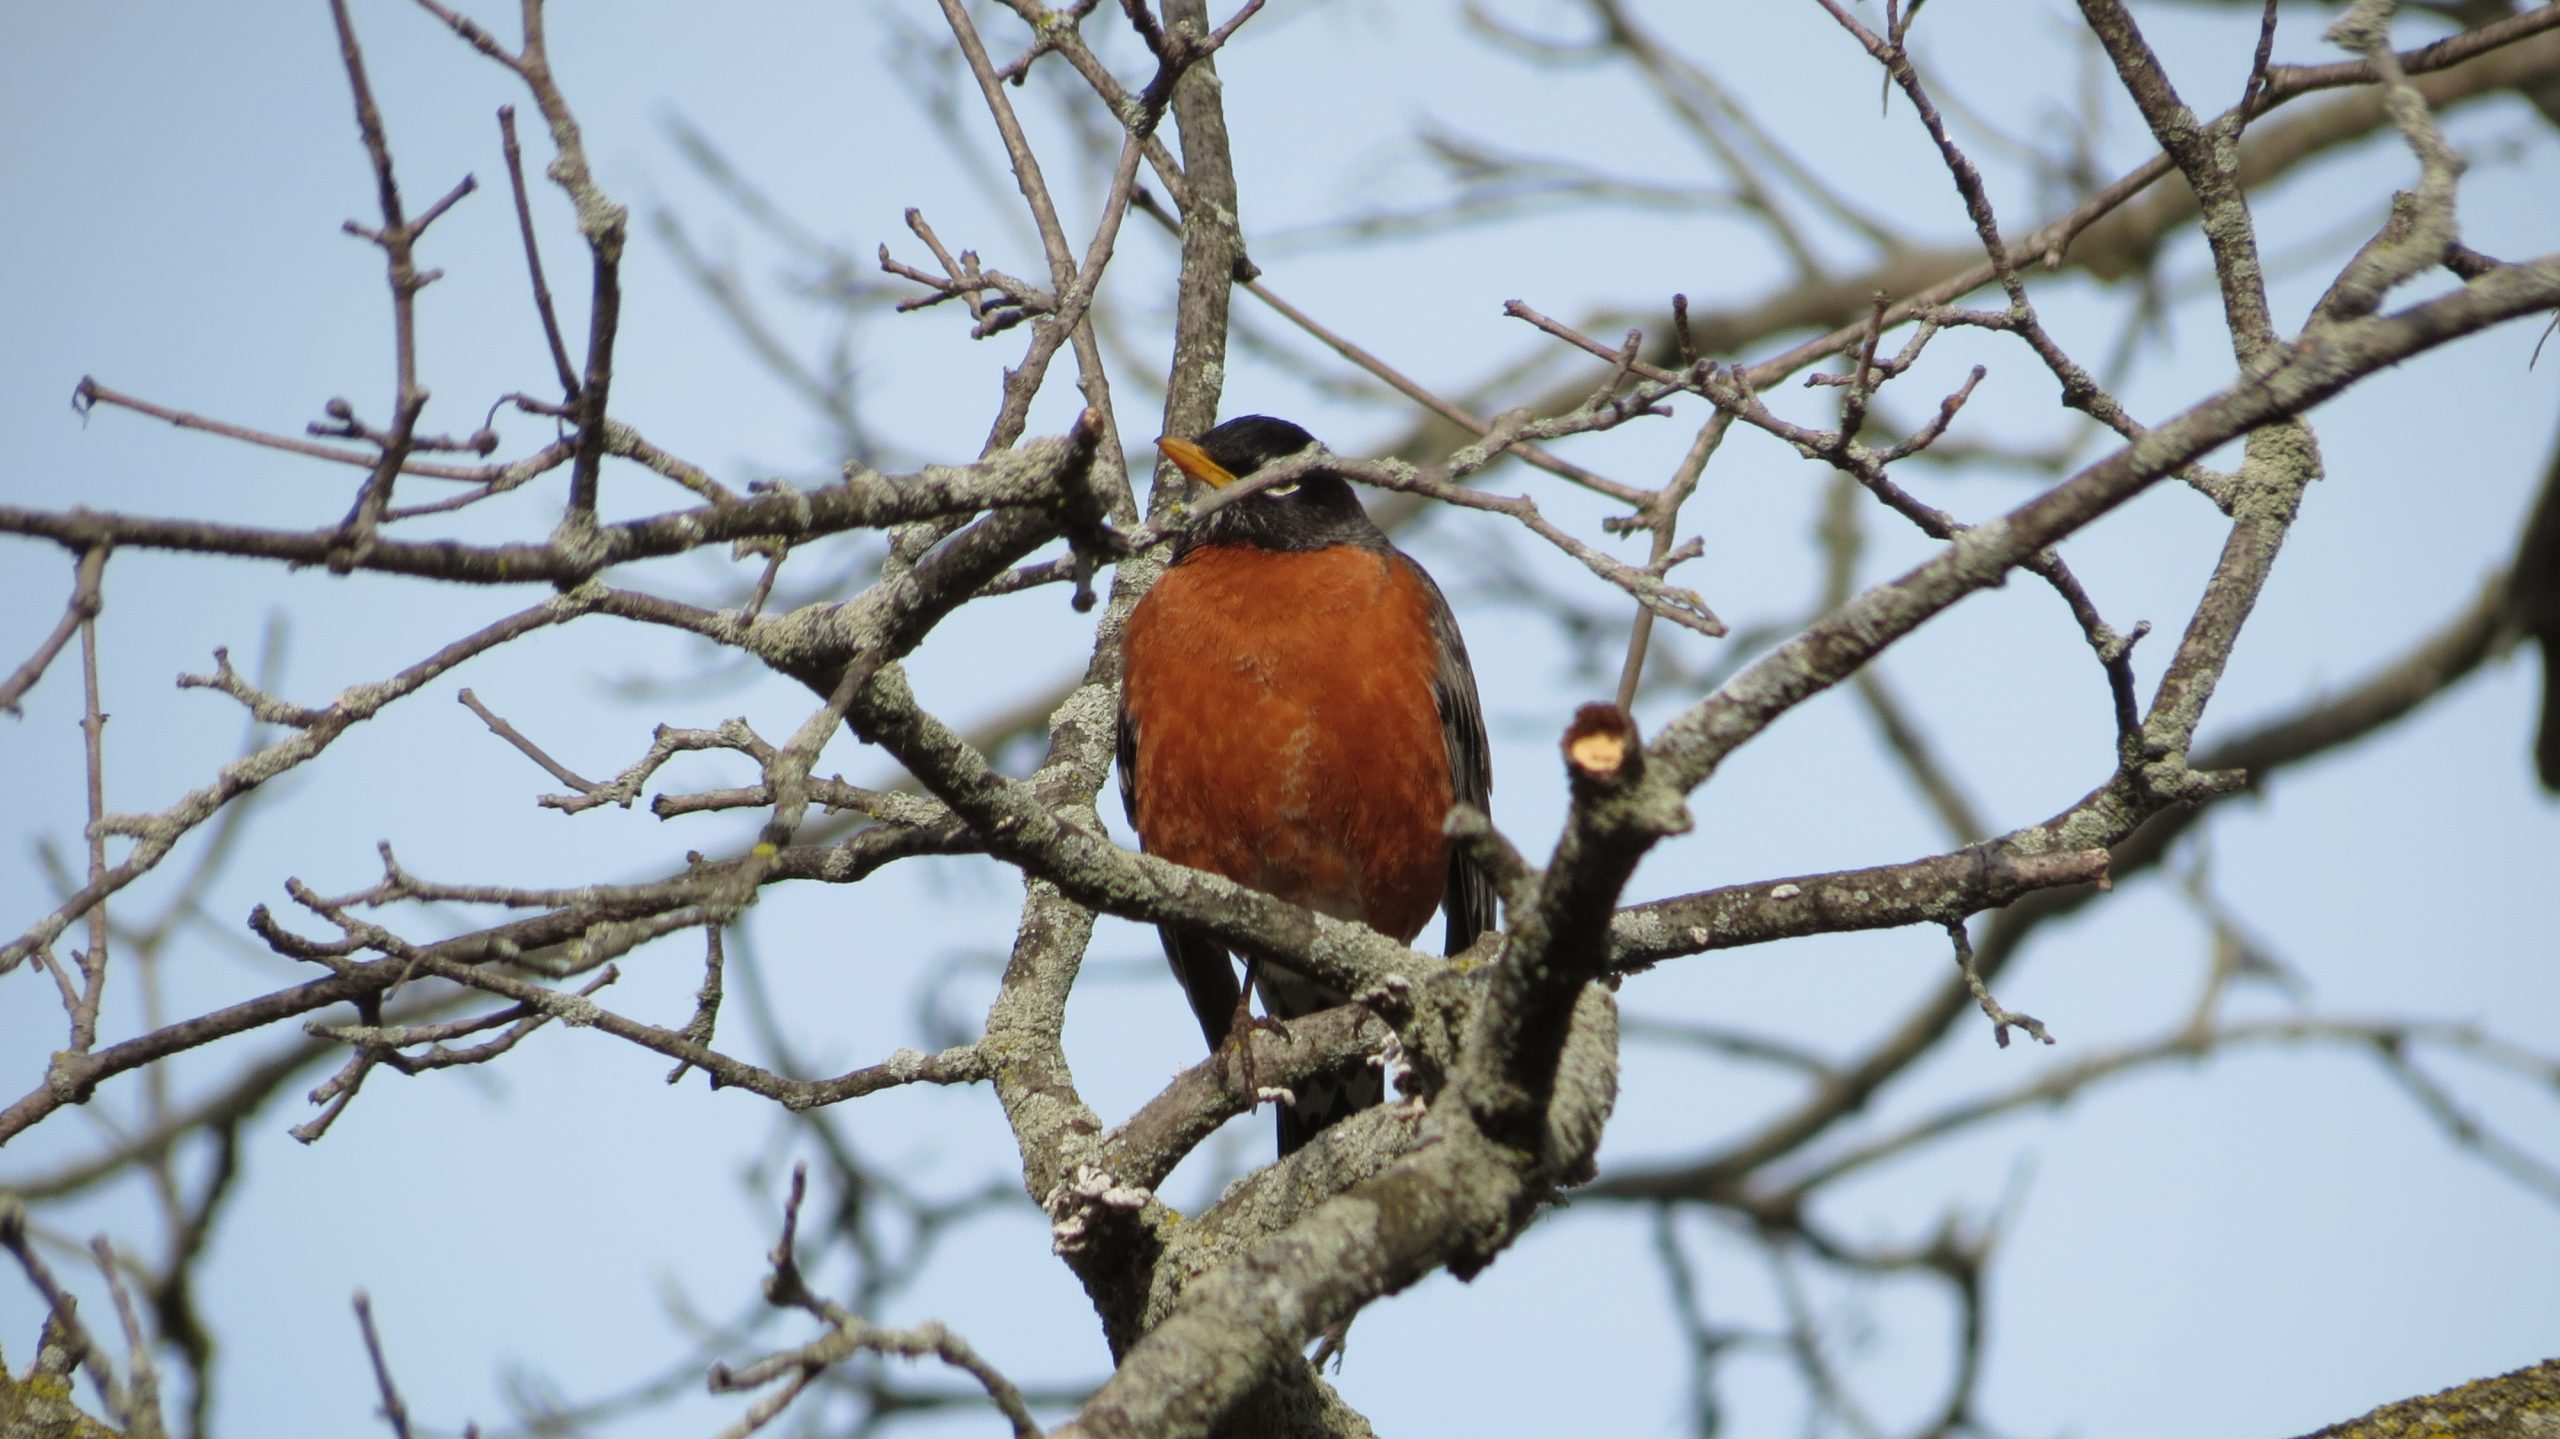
1281,492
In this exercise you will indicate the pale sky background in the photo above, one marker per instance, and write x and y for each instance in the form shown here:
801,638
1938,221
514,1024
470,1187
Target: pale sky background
2252,1246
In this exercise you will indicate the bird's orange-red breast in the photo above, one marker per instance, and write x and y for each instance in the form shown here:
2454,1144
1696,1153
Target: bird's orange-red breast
1298,715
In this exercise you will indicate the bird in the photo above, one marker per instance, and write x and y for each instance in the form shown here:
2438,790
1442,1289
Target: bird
2533,601
1297,714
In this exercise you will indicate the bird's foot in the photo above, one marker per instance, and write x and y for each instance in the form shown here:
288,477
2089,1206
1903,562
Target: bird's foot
1330,1347
1240,1039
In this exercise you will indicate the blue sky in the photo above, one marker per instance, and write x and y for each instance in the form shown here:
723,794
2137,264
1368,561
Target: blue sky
2254,1245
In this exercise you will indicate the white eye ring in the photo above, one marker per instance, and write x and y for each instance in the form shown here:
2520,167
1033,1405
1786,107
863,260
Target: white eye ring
1281,492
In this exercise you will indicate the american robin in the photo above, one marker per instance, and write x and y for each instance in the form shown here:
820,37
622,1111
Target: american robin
2533,597
1297,714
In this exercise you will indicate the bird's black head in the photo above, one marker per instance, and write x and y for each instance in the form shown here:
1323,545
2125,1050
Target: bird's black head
1316,512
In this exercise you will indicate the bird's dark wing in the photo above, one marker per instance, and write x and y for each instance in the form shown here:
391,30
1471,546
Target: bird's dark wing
1208,977
2533,595
1468,900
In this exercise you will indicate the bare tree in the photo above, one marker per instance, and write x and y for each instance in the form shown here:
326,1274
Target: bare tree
1129,266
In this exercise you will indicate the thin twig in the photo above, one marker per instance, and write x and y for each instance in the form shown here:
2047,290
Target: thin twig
83,607
526,747
704,1025
847,1334
394,1411
397,237
533,255
1662,516
93,753
90,393
62,1312
2002,1019
141,1414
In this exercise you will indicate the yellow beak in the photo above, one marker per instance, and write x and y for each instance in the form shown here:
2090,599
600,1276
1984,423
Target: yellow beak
1194,461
